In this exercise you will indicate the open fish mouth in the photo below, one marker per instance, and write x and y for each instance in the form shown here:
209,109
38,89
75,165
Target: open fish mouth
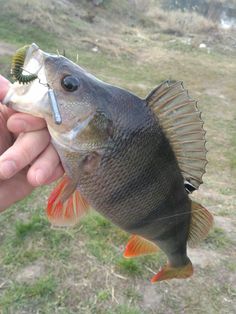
26,64
31,86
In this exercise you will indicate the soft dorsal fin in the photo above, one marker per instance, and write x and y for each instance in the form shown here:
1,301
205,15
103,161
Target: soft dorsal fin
201,223
181,121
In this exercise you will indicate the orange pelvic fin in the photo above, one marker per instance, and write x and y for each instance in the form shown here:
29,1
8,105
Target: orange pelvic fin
168,272
66,205
139,246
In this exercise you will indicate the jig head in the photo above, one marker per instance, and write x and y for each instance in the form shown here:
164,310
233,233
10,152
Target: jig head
54,106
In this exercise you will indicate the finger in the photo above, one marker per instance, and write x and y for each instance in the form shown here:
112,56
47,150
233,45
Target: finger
44,167
25,149
23,122
13,190
5,135
5,84
6,112
59,171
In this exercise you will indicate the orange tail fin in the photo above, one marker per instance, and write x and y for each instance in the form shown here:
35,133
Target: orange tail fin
168,272
66,205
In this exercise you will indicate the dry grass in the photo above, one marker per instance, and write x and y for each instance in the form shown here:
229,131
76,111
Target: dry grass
47,15
181,23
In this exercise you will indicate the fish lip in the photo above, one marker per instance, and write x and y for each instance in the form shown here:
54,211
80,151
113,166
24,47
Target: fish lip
31,50
34,61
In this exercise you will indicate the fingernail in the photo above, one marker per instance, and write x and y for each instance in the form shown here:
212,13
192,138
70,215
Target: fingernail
39,177
7,168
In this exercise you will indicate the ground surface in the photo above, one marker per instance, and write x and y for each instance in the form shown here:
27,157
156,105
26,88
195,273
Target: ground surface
81,270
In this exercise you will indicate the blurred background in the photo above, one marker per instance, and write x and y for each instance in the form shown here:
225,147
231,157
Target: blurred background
134,44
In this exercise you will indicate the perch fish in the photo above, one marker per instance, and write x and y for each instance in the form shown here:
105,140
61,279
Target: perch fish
133,160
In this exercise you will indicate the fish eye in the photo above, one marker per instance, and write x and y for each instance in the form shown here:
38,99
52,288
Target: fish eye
70,83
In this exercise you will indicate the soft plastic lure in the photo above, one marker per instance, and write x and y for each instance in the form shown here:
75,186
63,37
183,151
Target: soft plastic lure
17,67
17,73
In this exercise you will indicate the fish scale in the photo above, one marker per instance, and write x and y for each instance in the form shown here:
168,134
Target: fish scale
135,182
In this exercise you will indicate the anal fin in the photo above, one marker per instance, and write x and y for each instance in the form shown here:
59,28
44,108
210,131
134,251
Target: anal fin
168,272
66,205
139,246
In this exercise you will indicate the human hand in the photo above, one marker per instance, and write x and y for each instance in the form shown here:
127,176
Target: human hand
27,158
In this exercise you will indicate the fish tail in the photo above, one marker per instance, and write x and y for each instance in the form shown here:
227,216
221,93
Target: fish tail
169,272
201,223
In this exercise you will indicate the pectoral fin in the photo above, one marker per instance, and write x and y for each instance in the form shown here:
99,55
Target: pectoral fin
139,246
66,205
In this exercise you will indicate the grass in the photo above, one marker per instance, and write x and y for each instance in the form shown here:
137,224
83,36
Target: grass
18,293
233,151
124,309
20,34
133,295
81,270
103,295
181,23
130,266
218,239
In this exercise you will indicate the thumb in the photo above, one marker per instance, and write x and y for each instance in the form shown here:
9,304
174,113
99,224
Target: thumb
4,86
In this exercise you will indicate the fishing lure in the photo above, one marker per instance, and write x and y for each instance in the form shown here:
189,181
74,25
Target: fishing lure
17,73
17,67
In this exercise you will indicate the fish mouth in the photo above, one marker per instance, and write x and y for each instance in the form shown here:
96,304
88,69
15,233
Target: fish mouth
29,93
35,55
33,61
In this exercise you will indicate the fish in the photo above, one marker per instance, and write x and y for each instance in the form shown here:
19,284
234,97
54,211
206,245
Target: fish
133,160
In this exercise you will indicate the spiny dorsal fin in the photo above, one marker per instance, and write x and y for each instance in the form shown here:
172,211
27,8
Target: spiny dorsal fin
181,121
201,223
